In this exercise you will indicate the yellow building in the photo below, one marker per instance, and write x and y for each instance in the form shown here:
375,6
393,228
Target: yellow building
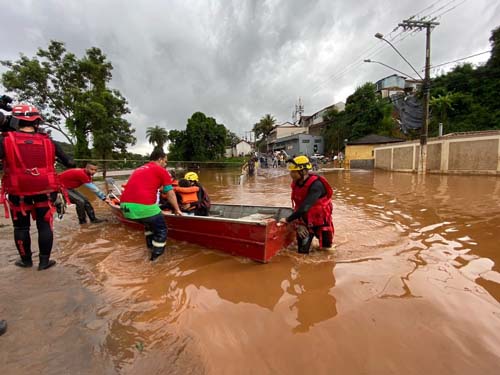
359,154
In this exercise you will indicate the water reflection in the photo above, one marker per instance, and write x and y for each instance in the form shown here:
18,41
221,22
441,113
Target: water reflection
310,284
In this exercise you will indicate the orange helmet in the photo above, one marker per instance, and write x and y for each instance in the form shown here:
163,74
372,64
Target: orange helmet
26,112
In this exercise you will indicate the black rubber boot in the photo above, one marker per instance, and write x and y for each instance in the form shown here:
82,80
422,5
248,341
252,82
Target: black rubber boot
80,211
156,252
24,262
149,241
3,327
45,262
90,211
304,244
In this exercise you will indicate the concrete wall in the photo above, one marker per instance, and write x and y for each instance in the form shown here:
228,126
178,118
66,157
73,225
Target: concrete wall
472,152
358,152
361,164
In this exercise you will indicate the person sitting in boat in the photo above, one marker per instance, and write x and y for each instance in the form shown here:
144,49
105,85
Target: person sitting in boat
312,205
201,206
139,200
187,196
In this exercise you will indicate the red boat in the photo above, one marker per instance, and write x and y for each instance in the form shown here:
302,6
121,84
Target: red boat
248,231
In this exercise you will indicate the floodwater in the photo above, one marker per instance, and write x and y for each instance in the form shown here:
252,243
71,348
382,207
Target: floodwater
412,288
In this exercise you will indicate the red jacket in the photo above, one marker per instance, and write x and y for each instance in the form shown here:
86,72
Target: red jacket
320,214
73,178
143,184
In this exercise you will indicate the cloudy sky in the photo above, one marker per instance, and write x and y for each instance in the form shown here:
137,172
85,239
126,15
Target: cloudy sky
238,60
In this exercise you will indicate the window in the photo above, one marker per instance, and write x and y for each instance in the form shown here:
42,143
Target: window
305,141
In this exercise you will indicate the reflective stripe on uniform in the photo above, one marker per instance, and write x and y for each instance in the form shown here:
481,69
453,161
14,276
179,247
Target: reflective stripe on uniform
159,244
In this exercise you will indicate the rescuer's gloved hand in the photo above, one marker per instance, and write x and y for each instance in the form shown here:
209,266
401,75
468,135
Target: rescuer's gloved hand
302,231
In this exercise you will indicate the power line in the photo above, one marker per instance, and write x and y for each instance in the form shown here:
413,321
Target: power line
403,35
463,58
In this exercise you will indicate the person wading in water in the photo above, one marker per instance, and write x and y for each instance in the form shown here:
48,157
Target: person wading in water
76,177
312,204
139,200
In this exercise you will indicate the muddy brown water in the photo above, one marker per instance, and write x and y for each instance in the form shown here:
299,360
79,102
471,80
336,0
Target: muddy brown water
413,287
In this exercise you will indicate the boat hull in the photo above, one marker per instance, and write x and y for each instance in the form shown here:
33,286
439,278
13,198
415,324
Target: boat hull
248,231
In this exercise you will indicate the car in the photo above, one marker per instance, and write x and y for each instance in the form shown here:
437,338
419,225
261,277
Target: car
318,156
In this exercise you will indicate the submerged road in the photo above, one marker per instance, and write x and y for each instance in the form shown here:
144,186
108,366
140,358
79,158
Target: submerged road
413,288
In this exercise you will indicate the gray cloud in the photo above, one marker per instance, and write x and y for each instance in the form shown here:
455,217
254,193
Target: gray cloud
238,60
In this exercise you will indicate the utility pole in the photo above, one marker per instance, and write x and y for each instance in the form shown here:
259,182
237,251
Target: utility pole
428,26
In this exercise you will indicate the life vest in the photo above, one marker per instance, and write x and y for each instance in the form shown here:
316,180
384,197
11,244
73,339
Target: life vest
28,168
187,194
203,198
320,214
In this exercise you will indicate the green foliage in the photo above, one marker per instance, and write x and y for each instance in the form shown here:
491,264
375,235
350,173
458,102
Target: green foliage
466,99
263,128
232,139
157,136
203,140
365,113
73,96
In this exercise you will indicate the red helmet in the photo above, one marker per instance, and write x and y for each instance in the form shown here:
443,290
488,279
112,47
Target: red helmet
26,112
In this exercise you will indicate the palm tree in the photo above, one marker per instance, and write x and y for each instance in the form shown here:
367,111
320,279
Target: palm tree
157,136
442,105
263,128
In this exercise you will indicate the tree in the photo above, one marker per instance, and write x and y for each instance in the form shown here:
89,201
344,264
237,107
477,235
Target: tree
73,96
263,128
157,136
441,106
365,113
232,139
204,139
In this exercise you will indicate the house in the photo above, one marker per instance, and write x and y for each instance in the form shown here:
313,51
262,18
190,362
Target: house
241,148
299,144
316,123
395,84
359,154
284,130
390,85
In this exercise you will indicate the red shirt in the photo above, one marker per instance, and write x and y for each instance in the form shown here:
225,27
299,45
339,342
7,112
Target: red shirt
143,184
73,178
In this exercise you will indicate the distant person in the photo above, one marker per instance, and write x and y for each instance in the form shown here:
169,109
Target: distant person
312,205
72,179
251,166
202,206
30,183
3,327
139,200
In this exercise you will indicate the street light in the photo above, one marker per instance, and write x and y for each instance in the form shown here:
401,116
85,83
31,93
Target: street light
390,67
422,165
381,37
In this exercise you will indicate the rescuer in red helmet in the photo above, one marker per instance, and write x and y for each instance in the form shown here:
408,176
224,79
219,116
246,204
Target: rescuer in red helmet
30,183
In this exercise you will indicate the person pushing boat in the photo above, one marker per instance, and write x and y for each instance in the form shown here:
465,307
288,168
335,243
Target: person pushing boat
312,204
139,200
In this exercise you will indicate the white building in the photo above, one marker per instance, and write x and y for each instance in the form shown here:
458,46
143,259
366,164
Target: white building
241,148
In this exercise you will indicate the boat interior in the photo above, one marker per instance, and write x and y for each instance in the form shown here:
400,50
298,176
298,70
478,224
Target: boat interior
249,213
